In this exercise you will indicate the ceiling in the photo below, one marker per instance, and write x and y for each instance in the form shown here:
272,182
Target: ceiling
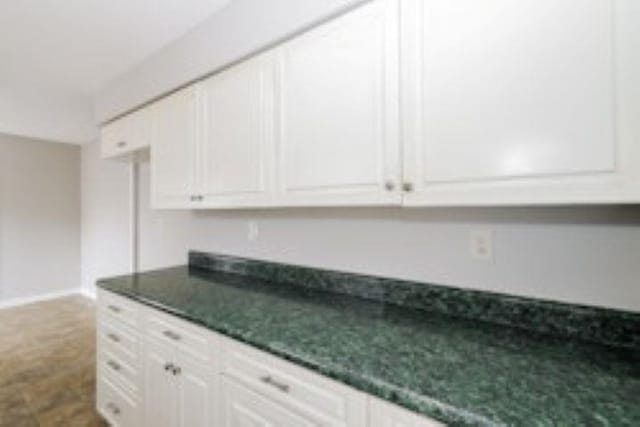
68,50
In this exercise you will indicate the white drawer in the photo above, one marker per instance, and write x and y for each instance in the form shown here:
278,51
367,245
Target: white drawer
326,401
119,308
124,374
242,406
117,338
188,338
385,414
119,409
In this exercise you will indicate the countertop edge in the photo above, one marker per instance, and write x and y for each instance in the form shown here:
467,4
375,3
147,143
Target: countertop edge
427,406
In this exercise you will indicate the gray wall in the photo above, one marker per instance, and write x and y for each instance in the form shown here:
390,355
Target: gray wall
39,217
586,255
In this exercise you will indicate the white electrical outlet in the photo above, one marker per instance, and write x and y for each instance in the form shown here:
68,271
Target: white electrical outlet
253,231
481,245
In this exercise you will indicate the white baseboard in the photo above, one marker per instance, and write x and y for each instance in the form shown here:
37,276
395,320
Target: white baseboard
15,302
89,293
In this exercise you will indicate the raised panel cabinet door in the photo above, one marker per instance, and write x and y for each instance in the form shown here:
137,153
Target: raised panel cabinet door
174,150
237,122
243,407
384,414
160,396
508,101
195,394
338,111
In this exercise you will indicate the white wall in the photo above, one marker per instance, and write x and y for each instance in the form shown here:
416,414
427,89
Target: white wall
239,29
584,255
38,112
105,218
39,218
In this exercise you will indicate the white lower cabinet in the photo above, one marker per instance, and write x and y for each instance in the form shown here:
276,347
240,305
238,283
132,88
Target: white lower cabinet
116,406
160,407
160,371
242,407
179,391
385,414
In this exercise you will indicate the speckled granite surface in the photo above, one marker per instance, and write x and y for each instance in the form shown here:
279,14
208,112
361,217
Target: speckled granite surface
460,371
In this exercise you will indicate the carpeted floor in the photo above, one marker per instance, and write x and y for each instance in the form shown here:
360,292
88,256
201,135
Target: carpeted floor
47,364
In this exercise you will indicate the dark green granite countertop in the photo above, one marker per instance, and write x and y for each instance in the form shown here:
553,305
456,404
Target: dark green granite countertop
458,371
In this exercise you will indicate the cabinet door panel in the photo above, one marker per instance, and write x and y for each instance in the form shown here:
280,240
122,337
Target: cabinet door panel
174,149
160,406
338,110
499,91
195,394
245,408
237,134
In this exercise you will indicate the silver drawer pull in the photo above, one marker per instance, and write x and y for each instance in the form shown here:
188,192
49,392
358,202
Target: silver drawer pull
176,370
115,308
114,365
172,335
113,337
267,379
122,144
168,366
113,408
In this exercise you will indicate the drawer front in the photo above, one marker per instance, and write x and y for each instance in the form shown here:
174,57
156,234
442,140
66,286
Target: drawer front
385,414
318,398
188,338
119,308
243,407
116,338
121,372
119,409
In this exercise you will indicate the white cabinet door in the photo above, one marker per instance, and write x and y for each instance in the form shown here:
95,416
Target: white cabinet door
195,394
160,404
338,111
384,414
242,407
126,134
237,125
174,150
509,102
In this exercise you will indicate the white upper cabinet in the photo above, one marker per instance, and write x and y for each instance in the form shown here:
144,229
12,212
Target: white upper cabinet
237,135
174,150
513,102
126,135
413,103
338,111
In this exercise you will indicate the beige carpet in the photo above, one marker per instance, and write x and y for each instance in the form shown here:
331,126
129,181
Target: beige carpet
47,364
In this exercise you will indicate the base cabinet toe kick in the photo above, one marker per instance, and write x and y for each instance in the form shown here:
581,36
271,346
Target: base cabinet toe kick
156,370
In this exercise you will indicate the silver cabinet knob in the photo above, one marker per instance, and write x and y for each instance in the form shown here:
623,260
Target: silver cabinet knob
168,366
113,337
268,379
172,335
176,370
407,186
389,185
113,408
114,365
